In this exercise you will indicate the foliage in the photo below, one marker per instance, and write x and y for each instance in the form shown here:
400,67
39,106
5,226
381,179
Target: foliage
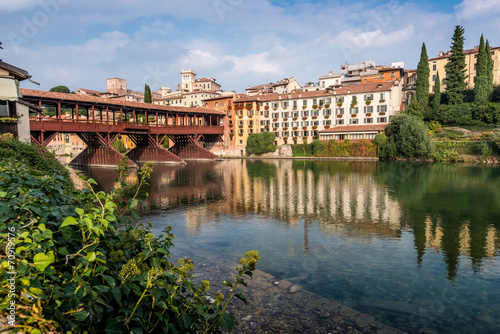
119,146
307,150
35,157
381,140
482,89
423,73
317,146
436,99
456,68
147,94
489,69
60,89
260,143
407,137
84,266
416,109
454,151
347,148
166,143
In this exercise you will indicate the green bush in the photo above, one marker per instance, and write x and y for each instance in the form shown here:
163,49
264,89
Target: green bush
260,143
348,149
407,137
119,146
84,266
33,157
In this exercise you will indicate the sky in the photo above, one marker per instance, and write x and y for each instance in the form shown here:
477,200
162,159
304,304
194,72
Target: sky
240,43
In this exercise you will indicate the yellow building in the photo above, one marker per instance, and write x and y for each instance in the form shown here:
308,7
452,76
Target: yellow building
437,65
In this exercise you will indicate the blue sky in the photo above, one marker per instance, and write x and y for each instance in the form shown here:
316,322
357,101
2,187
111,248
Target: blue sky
240,43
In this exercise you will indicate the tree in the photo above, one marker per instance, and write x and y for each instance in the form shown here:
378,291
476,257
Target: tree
481,90
147,94
436,100
423,72
260,143
456,68
60,89
416,108
489,69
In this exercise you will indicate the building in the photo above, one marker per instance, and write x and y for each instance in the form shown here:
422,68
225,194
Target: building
14,112
224,103
301,115
280,87
409,86
437,65
352,132
361,73
116,86
190,84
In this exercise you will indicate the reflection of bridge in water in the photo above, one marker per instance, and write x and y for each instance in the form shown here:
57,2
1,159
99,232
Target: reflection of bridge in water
99,122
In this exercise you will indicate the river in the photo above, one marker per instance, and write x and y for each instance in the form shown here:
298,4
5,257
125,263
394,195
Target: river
414,245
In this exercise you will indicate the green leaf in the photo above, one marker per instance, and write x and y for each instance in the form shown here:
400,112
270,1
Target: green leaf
188,321
3,194
92,181
109,280
81,315
227,322
227,283
90,257
134,203
69,221
241,297
79,211
42,260
117,293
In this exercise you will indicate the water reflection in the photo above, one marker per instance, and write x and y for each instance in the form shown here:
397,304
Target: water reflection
415,245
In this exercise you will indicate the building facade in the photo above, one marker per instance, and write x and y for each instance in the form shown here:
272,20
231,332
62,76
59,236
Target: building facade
437,65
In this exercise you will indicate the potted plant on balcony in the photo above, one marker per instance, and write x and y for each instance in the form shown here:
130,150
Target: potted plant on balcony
304,118
327,105
285,119
315,106
382,113
327,126
295,118
327,116
368,101
368,114
304,107
315,127
382,100
340,116
266,108
295,128
339,103
354,102
304,128
354,115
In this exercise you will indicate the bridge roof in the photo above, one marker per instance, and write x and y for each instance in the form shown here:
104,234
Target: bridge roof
31,94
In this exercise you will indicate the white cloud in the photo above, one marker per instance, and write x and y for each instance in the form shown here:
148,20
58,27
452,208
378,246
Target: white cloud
361,39
13,5
471,9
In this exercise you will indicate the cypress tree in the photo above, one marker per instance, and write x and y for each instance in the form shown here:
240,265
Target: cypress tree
423,73
147,94
489,69
436,101
456,68
481,84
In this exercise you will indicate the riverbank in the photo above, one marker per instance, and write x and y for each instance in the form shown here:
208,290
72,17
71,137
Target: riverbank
277,306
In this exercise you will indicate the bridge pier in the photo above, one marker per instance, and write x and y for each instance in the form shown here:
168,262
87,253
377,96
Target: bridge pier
99,152
148,149
188,148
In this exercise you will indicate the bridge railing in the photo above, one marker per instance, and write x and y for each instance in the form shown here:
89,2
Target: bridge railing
56,124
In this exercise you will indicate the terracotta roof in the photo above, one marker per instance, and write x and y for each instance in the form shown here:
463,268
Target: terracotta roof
299,94
468,51
111,102
355,128
18,73
222,97
89,91
201,92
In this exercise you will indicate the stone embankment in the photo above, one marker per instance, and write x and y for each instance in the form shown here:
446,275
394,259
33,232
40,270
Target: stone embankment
277,306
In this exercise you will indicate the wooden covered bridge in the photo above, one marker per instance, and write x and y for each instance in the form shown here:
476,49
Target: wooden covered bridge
100,121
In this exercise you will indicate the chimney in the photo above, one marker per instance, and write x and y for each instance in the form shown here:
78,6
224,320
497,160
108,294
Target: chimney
441,53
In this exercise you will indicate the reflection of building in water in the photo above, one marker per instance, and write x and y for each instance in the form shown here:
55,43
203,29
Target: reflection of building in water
292,190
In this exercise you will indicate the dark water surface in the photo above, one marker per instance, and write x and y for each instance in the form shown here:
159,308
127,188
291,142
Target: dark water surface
414,245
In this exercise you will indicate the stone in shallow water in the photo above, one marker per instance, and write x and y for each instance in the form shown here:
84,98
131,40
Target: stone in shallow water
283,285
253,325
248,317
363,320
294,288
348,312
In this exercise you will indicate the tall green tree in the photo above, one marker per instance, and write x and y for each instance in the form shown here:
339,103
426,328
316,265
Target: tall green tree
456,68
147,94
436,100
489,69
60,89
423,73
481,89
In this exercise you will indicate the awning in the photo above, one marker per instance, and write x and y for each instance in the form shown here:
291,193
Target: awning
9,89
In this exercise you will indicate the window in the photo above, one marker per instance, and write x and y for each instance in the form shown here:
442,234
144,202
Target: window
368,120
327,122
304,102
433,77
340,122
295,104
393,74
368,109
368,97
340,111
382,98
382,76
382,120
353,110
327,112
434,67
305,113
353,121
382,108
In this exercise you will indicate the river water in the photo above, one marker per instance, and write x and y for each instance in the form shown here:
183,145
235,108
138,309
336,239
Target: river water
414,245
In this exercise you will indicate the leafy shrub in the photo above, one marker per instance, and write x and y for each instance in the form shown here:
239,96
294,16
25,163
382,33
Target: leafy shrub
119,146
407,137
434,126
84,266
260,143
348,149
